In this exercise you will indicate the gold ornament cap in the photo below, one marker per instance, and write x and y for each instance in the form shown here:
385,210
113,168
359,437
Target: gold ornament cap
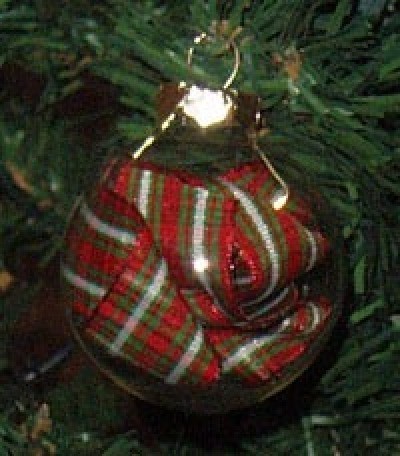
208,108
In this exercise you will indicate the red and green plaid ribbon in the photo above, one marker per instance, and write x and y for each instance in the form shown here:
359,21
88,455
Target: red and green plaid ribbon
117,279
256,358
172,272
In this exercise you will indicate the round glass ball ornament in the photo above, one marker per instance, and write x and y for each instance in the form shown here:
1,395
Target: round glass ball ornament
195,276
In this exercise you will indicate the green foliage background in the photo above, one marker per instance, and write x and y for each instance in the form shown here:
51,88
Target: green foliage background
339,120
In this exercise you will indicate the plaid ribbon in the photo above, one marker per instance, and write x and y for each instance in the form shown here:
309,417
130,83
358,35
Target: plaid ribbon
117,279
171,273
257,358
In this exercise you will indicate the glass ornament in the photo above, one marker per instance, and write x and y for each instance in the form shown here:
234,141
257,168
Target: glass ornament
197,277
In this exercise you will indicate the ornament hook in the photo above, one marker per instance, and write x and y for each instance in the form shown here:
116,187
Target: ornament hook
203,37
196,102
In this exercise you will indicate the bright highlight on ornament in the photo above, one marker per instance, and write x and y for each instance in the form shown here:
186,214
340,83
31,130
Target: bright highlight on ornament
279,199
206,107
200,264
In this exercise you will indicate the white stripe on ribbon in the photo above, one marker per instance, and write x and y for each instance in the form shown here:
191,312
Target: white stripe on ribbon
144,191
245,351
187,358
313,250
83,284
316,316
271,304
146,300
119,234
264,232
199,259
242,281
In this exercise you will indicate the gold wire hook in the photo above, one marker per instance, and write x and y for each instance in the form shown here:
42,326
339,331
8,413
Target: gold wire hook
171,117
204,37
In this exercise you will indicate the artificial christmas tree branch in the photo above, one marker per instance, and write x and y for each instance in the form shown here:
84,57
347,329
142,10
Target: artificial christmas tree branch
337,118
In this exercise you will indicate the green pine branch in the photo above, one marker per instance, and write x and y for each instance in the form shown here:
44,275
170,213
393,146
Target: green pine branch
333,123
